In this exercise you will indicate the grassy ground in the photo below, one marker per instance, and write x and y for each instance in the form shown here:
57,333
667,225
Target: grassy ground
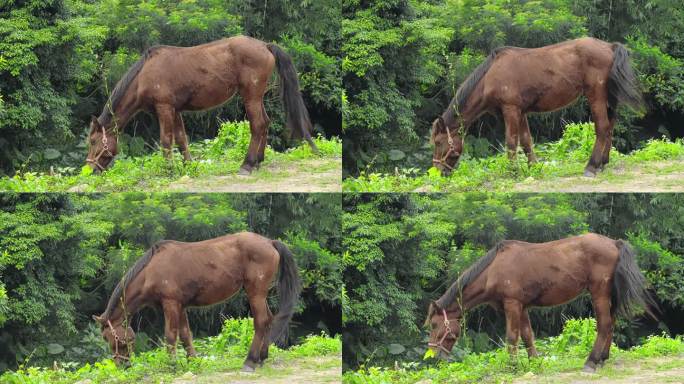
658,360
214,168
316,360
657,167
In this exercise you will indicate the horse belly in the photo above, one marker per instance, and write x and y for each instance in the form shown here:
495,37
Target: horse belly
213,293
556,292
209,97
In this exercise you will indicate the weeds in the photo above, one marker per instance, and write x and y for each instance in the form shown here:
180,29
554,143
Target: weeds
221,353
565,352
222,155
566,157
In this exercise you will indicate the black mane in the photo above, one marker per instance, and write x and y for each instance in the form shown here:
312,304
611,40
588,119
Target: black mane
469,84
130,275
121,87
468,276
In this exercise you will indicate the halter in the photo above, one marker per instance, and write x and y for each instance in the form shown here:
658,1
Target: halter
105,151
447,333
116,343
451,150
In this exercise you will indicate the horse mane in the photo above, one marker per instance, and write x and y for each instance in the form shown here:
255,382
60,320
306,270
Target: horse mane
129,276
468,86
122,86
469,276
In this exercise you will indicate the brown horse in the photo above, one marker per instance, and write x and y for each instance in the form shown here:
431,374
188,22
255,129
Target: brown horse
515,81
169,80
515,275
177,275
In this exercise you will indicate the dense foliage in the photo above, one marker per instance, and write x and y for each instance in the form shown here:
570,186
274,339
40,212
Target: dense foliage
403,250
61,255
404,59
221,355
565,353
59,59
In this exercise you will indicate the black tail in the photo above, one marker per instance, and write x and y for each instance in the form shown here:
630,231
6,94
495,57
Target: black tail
623,85
629,292
289,287
297,116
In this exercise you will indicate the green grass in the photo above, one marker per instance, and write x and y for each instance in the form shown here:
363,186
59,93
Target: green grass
220,156
222,353
565,158
564,353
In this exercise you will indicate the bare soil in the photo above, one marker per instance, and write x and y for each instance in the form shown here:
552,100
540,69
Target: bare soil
663,176
309,175
326,369
647,371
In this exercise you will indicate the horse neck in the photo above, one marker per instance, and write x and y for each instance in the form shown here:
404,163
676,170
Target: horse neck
473,108
471,296
127,307
125,109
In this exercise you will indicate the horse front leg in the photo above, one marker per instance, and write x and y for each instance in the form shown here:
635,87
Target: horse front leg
186,334
527,334
167,119
526,140
513,310
172,311
604,330
512,118
180,137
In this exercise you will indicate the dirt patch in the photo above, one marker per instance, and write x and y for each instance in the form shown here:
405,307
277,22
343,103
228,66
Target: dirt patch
327,369
646,371
664,176
310,175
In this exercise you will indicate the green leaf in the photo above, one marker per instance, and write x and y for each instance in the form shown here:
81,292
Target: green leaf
51,154
396,349
396,155
54,348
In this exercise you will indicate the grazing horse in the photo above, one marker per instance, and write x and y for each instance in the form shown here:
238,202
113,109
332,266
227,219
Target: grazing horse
169,80
515,81
177,275
515,275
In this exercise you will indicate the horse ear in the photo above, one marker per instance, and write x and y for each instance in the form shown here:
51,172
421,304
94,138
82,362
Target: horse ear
94,121
99,319
439,125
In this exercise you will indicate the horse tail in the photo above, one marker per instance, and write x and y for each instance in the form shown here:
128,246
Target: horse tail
629,285
298,121
289,288
623,85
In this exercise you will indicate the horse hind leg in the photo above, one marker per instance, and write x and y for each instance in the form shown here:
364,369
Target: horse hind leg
612,114
260,313
258,125
604,329
263,355
599,113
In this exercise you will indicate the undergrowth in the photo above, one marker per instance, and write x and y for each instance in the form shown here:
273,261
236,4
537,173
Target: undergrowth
565,157
222,353
566,352
222,155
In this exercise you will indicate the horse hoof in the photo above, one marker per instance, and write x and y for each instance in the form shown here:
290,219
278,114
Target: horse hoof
588,368
589,173
244,172
247,368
